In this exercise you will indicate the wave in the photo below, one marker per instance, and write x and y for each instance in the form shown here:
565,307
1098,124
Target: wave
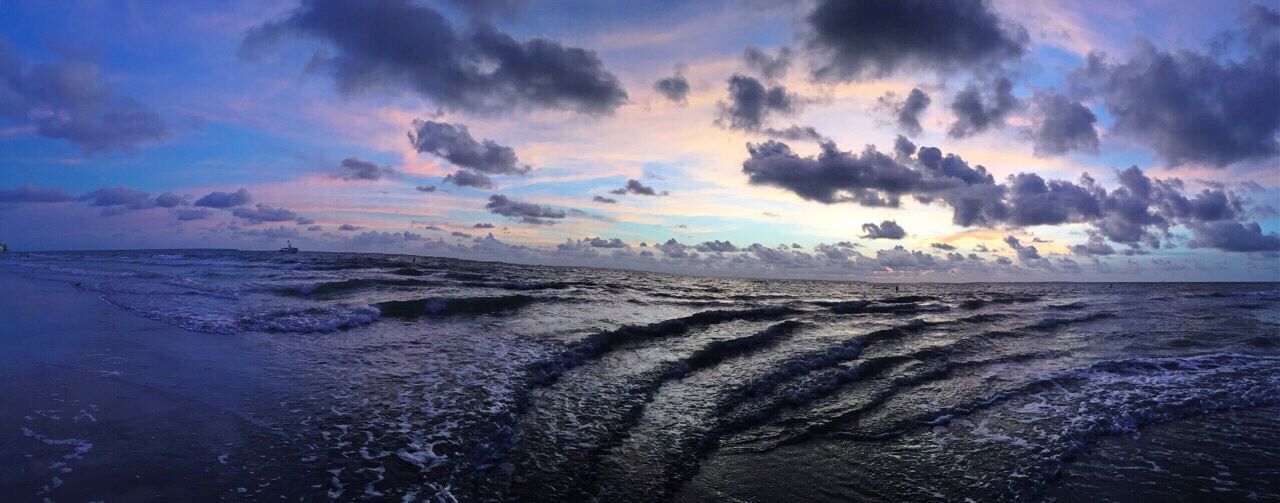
934,361
495,446
930,370
623,404
721,350
466,276
822,385
983,318
820,359
334,287
602,342
1250,381
1052,322
696,442
933,366
908,299
347,265
978,303
453,306
545,285
312,319
901,305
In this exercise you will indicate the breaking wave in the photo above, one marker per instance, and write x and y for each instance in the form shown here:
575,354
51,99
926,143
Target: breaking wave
456,306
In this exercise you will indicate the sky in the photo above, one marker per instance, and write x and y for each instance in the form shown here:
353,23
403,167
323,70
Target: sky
969,140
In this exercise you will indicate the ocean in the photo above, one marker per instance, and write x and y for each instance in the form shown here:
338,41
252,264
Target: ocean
397,378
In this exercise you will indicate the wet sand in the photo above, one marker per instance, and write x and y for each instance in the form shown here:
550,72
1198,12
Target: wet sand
98,403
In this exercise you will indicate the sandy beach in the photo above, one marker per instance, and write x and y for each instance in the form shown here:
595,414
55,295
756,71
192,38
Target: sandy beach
96,402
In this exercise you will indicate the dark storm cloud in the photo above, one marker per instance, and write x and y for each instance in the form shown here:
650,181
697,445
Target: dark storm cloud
751,103
1025,253
605,200
1190,107
356,169
1096,246
1207,206
611,243
870,178
468,178
70,100
878,180
224,199
1061,126
264,213
770,67
673,248
854,39
887,229
976,113
904,148
425,188
123,197
906,113
170,200
795,133
675,88
1142,205
528,213
187,214
716,246
1138,213
1234,237
397,45
455,144
634,186
902,259
33,194
1033,201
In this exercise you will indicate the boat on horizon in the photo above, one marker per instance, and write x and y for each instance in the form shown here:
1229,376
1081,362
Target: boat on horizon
289,248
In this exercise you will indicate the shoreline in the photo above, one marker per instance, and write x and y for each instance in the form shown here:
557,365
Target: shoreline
679,274
93,398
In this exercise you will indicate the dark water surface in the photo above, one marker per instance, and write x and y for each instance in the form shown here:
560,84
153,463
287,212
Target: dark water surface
378,377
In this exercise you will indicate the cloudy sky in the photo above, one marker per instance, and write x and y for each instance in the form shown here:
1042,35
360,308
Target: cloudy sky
910,140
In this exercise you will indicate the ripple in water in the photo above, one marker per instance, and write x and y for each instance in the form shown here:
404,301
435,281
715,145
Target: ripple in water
407,378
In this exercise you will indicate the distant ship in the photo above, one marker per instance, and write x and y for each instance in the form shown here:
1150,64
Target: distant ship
4,248
289,248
